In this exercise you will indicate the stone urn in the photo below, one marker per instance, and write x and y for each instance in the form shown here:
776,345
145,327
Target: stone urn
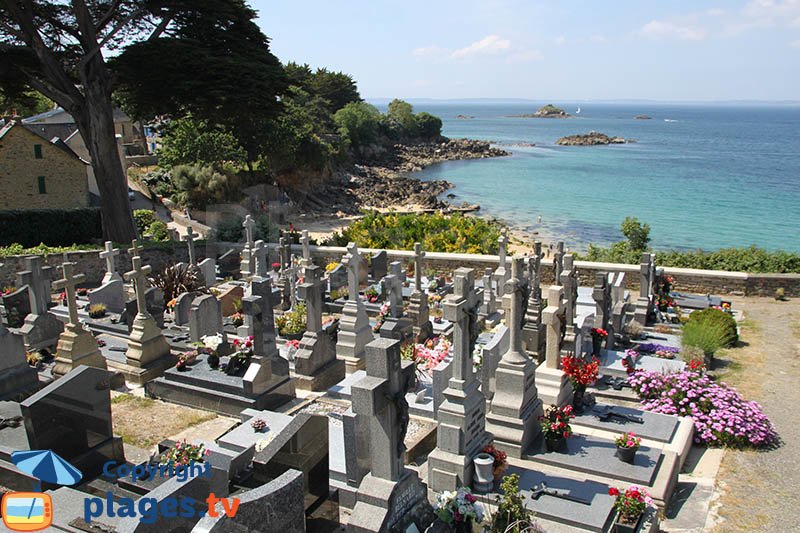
484,472
626,527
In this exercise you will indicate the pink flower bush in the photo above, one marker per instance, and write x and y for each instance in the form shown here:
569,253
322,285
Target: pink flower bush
721,416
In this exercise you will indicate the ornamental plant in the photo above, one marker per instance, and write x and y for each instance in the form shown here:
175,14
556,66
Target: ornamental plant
659,350
631,504
293,321
243,349
721,416
628,440
371,294
97,310
182,453
459,507
580,371
599,333
185,358
555,422
500,459
381,318
258,424
512,516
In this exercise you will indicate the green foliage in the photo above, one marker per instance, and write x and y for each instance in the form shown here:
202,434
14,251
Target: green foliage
143,218
358,124
54,227
158,231
402,114
188,141
429,126
25,103
293,321
717,320
436,232
512,516
706,337
177,279
230,229
336,89
638,234
42,249
198,186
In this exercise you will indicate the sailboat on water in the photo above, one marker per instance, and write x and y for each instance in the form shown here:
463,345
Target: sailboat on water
578,112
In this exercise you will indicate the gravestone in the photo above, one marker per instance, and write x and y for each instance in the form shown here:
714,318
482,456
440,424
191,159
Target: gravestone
620,307
501,274
154,301
183,304
554,386
492,353
558,261
489,306
515,408
148,351
16,376
258,378
247,267
205,318
72,417
16,306
315,364
76,345
533,333
230,298
262,262
208,268
338,278
569,280
461,434
110,255
391,497
306,242
190,237
41,328
418,310
396,326
263,287
644,304
378,266
354,328
601,294
283,278
111,294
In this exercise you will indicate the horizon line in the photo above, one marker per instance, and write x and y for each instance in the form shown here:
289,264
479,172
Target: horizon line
587,100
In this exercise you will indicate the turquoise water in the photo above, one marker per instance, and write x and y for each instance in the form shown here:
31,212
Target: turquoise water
708,177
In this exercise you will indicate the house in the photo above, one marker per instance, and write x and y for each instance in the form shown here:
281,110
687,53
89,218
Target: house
39,174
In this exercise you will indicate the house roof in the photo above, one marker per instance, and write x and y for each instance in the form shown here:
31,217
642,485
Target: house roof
55,141
59,116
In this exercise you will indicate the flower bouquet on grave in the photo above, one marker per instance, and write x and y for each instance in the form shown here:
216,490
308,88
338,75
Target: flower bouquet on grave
500,460
581,373
209,346
555,426
240,358
82,292
629,361
630,506
276,267
381,318
258,424
291,348
598,336
237,319
184,453
371,295
170,308
627,444
458,509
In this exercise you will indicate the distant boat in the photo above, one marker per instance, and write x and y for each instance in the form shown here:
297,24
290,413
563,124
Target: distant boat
670,120
578,112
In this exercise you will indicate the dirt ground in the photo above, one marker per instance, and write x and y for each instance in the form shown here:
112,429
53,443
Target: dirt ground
144,423
759,489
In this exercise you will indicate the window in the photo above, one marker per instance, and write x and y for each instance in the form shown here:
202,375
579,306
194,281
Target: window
42,185
37,151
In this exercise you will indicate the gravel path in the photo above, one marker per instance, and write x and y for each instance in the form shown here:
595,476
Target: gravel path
760,491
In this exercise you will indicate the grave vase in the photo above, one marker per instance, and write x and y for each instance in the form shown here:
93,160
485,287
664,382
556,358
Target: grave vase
463,527
579,391
626,454
626,527
554,443
597,345
484,472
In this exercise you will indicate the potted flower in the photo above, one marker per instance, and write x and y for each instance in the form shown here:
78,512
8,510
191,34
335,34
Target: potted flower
97,310
276,267
555,426
184,453
292,324
82,292
185,359
209,346
292,347
500,460
381,318
627,444
581,373
371,294
459,509
630,506
598,335
242,352
237,319
258,424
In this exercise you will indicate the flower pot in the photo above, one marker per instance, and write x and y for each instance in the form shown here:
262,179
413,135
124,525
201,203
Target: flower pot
577,397
484,472
626,527
597,345
213,361
626,454
554,444
292,336
463,527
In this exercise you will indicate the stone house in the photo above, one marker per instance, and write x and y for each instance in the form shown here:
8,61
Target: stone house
39,174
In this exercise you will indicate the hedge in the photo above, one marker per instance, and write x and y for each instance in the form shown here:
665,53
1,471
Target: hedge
53,227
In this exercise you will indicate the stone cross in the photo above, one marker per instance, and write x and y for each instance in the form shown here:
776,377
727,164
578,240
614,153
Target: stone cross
514,293
110,254
535,270
139,278
601,293
190,237
394,287
419,255
135,249
68,284
262,269
291,279
283,254
568,280
489,302
311,291
352,262
558,258
380,398
249,226
461,308
646,278
306,242
38,279
501,248
253,321
552,319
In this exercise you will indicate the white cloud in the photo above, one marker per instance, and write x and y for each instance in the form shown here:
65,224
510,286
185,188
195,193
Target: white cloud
491,44
657,29
524,56
795,44
560,40
598,39
765,14
429,51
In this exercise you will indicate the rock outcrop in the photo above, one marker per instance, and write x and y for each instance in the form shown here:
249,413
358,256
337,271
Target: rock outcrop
547,111
592,138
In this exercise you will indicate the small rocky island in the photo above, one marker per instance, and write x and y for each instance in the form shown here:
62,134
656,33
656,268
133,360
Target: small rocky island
547,111
642,117
593,138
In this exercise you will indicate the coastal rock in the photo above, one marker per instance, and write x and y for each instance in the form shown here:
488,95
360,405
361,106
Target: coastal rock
464,117
592,138
642,117
547,111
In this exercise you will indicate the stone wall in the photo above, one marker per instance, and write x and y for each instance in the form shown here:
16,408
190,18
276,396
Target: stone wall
65,176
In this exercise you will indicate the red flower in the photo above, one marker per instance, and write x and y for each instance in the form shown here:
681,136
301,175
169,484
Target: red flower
566,434
613,491
470,498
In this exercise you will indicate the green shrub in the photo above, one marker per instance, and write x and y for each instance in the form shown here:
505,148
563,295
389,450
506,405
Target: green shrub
230,229
198,185
708,337
144,218
53,227
512,516
158,231
436,232
719,320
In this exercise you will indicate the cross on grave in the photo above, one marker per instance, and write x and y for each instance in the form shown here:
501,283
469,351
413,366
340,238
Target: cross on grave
394,288
135,249
502,242
292,275
419,255
253,321
306,242
38,279
555,309
461,308
311,291
110,254
190,237
260,252
68,283
601,294
380,398
535,271
352,262
558,260
249,226
283,255
138,276
569,280
514,294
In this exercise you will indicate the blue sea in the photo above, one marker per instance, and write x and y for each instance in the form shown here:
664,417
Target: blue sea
703,176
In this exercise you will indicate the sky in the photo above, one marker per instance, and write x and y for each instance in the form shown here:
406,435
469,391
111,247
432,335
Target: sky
669,50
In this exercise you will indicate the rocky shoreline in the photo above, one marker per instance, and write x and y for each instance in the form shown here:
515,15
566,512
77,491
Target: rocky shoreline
593,138
379,181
